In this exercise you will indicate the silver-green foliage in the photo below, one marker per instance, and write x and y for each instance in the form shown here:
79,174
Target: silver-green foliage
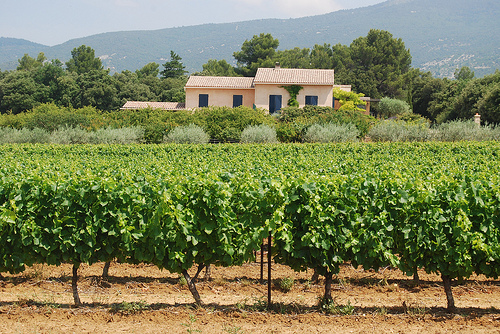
398,131
464,130
129,135
190,134
70,135
24,135
259,134
331,132
388,107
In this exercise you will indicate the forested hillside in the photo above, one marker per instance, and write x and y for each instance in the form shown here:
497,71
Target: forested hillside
442,35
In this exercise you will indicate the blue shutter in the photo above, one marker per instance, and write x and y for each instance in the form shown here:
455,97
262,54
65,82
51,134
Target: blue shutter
274,103
203,100
237,100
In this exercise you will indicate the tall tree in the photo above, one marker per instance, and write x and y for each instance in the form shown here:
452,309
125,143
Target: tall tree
218,68
27,63
464,73
83,60
19,92
255,53
173,68
148,70
378,62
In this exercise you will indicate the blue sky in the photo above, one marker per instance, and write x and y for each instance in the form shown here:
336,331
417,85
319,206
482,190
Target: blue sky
53,22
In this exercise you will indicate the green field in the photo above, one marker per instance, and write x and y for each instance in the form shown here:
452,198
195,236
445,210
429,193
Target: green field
412,205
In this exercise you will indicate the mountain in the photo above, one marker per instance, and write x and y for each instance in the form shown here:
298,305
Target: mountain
12,49
442,35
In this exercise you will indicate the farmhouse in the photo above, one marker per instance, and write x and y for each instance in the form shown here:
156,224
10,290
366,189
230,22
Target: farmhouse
267,90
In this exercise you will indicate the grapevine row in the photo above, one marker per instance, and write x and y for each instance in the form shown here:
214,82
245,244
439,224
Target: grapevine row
325,205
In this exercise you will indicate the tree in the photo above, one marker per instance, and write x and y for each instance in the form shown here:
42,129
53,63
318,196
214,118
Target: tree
255,53
322,56
349,100
388,107
49,75
19,92
464,73
26,63
378,62
129,88
218,68
173,68
148,70
96,88
294,58
83,60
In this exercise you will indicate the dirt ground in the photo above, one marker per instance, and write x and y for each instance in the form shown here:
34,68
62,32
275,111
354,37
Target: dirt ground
144,299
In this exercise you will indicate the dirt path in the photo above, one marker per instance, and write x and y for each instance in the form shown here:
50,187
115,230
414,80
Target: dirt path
143,299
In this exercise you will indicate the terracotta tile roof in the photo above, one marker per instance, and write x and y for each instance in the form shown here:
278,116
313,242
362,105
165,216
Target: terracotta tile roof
294,76
219,82
135,105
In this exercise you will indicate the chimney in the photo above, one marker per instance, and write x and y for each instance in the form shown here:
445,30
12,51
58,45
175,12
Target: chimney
277,66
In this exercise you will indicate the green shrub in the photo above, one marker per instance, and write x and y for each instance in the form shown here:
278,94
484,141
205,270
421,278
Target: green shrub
321,115
69,135
226,124
462,130
259,134
129,135
331,133
190,134
24,135
388,107
399,131
51,117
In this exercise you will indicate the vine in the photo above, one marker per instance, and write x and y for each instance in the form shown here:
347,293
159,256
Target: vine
293,90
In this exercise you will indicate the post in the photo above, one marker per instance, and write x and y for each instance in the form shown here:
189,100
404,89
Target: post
477,119
269,284
262,263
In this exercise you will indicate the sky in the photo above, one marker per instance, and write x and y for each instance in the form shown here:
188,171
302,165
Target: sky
53,22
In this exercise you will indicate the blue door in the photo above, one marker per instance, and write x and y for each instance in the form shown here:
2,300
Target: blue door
274,103
203,100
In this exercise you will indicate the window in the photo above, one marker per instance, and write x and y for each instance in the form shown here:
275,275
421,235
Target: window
274,103
203,100
311,100
237,100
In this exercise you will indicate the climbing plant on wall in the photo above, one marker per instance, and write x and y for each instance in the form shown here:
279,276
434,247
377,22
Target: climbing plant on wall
293,90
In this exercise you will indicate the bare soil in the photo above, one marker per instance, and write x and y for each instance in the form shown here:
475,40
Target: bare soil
144,299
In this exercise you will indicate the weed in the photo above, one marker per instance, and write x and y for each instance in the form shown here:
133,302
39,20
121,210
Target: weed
415,309
259,304
307,285
220,281
330,306
286,284
380,311
182,281
130,308
189,326
232,330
